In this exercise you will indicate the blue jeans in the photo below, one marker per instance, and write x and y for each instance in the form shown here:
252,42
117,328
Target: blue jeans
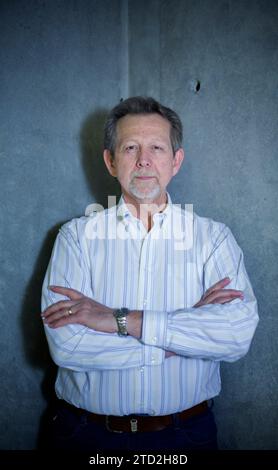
76,432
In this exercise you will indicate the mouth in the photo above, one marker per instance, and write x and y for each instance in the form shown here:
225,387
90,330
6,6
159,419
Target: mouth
144,177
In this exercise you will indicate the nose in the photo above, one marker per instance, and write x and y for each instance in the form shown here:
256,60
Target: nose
143,160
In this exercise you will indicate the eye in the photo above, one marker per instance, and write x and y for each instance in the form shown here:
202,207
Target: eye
158,148
131,148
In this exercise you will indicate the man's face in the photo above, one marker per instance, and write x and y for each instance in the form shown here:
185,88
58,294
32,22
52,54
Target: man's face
143,162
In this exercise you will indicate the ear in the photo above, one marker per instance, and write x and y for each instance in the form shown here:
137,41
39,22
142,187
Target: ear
109,162
177,161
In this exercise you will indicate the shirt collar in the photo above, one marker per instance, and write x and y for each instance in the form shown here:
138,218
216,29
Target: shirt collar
124,214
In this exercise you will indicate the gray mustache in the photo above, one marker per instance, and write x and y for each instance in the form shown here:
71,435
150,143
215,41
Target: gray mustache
134,175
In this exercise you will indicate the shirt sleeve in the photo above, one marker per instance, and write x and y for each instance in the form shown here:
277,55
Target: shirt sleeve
78,347
219,332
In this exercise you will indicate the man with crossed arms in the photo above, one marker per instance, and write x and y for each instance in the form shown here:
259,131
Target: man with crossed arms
136,320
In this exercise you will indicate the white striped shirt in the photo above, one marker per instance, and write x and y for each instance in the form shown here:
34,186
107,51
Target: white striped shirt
110,257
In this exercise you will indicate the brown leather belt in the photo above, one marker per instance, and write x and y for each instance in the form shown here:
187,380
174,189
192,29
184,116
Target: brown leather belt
138,423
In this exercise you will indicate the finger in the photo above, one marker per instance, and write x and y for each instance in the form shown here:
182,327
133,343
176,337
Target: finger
63,321
217,300
222,296
218,285
62,304
225,301
60,318
68,292
219,296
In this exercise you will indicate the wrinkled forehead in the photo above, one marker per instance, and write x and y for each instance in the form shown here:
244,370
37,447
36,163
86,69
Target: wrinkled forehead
142,125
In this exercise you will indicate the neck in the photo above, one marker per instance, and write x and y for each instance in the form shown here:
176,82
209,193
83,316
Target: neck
145,209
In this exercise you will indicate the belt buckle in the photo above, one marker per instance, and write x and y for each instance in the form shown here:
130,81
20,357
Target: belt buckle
133,425
132,421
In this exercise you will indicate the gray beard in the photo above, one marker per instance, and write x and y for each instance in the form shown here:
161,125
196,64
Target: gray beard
144,195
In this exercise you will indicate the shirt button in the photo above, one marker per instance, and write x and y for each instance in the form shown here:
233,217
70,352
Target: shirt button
152,360
154,339
142,369
152,412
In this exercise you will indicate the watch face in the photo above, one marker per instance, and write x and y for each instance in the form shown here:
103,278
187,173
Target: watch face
121,312
124,311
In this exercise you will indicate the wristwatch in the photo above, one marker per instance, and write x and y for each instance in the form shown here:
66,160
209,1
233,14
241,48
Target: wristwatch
120,314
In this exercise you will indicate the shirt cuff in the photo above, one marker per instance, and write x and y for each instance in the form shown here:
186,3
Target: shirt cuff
154,328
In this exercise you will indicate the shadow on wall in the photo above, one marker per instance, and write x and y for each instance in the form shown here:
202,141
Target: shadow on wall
99,181
100,185
35,344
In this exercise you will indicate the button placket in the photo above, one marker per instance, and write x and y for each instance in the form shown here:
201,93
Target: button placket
141,299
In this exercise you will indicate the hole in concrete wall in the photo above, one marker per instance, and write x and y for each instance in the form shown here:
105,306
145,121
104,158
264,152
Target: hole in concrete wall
194,85
197,86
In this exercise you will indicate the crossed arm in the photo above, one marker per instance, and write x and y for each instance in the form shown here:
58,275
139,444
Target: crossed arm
99,317
220,326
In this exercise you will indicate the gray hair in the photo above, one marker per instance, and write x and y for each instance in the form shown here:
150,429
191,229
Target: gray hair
141,105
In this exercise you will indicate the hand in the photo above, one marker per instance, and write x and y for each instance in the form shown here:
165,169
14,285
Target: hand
85,311
216,294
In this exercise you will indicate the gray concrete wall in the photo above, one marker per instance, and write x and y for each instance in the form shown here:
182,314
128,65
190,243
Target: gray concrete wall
63,64
230,171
